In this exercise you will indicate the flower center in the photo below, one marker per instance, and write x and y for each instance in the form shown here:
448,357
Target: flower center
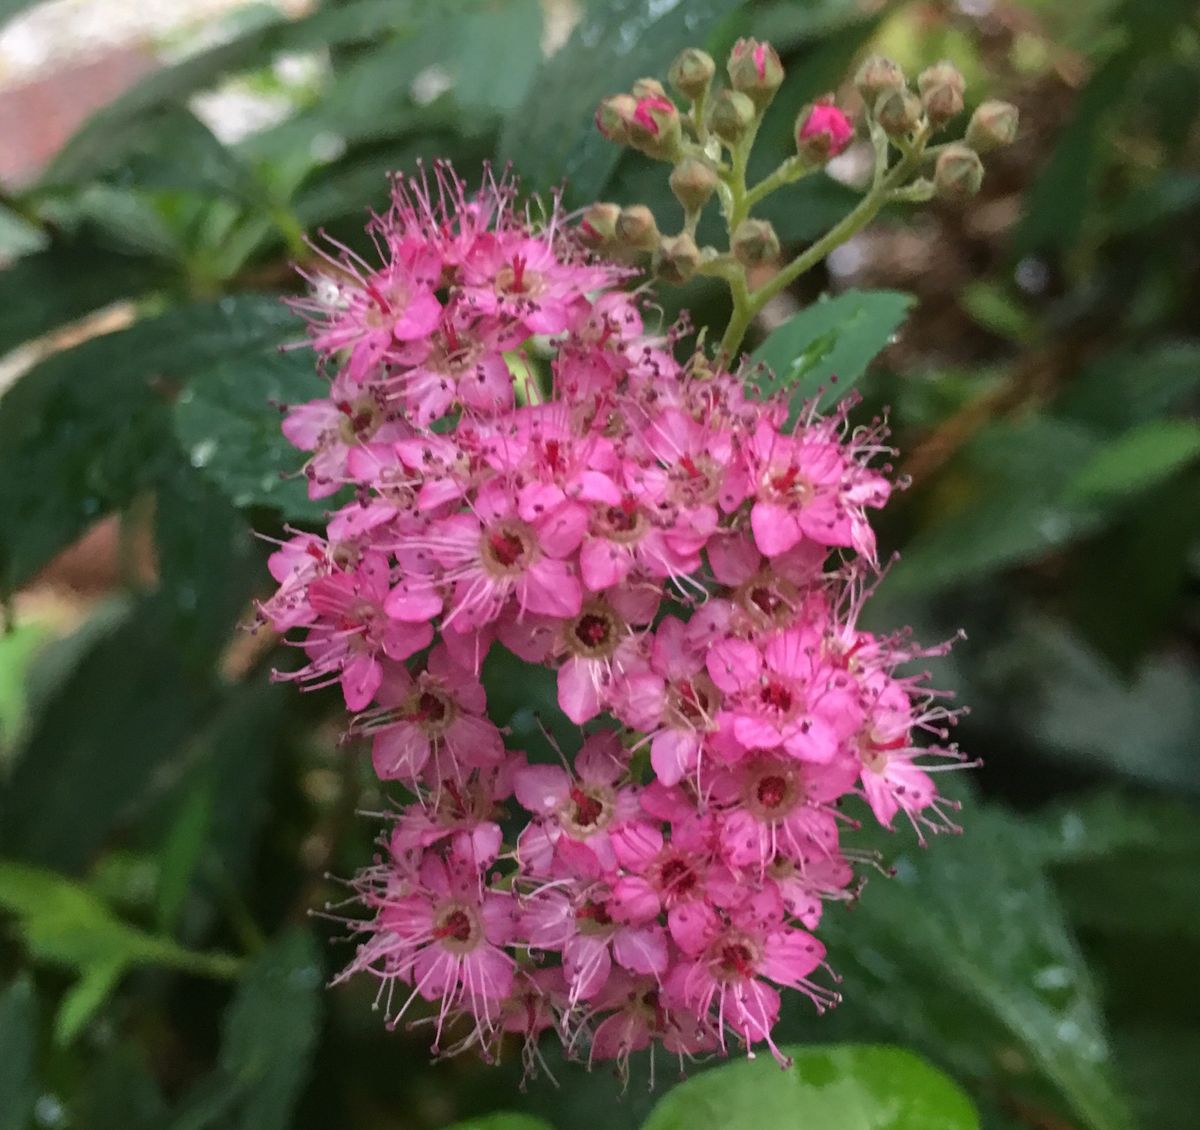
595,632
587,810
777,697
767,599
360,420
517,278
457,927
736,959
697,481
677,877
623,523
789,484
507,548
772,792
692,701
432,710
593,918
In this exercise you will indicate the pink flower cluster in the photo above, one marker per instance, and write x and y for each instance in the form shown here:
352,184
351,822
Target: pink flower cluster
532,469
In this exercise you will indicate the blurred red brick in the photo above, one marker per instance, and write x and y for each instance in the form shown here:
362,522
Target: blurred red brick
38,117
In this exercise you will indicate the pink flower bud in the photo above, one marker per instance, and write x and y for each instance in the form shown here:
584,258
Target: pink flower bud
613,116
822,131
755,70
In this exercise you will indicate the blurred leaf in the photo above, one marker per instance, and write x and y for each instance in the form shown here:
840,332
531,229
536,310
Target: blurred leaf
827,347
120,1094
550,137
91,753
497,57
63,923
1138,460
18,1041
847,1087
208,560
1160,1064
1128,388
17,648
182,853
502,1120
995,309
1016,506
786,24
1113,823
1069,702
87,429
230,429
967,953
270,1033
70,278
330,25
169,148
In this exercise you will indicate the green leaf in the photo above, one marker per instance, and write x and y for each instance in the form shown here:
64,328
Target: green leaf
64,924
502,1120
18,1042
270,1033
1074,705
90,755
121,1094
182,853
1010,505
70,278
844,1087
967,953
827,347
1133,387
87,429
17,648
1138,460
550,137
230,430
208,560
168,148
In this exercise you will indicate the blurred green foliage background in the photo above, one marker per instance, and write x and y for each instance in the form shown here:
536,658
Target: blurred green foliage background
167,816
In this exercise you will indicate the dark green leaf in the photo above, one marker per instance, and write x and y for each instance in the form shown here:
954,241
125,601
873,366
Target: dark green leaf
1128,388
83,432
18,1041
550,137
827,347
1013,506
121,1094
230,430
967,952
62,283
502,1120
90,755
270,1033
208,560
847,1087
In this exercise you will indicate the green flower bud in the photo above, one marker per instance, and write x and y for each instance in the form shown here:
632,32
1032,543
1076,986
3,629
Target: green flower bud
676,259
599,224
877,75
941,89
898,112
636,228
648,88
654,127
993,125
958,173
755,70
754,243
693,181
692,72
732,115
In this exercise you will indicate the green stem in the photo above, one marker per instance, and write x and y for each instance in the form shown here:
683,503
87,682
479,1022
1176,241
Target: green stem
291,229
789,171
744,312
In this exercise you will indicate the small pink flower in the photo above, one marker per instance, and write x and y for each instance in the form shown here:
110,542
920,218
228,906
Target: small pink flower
824,132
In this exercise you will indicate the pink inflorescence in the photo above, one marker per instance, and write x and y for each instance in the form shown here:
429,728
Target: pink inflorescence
531,468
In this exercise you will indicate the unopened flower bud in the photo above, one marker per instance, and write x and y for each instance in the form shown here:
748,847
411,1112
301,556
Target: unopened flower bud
693,181
898,112
958,173
636,228
692,72
941,89
754,242
822,131
599,224
877,75
648,88
992,125
676,259
654,127
732,114
755,70
613,116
